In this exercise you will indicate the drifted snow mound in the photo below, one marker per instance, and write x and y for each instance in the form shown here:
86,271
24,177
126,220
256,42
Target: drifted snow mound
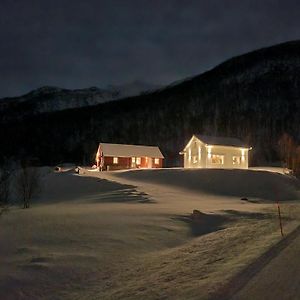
239,183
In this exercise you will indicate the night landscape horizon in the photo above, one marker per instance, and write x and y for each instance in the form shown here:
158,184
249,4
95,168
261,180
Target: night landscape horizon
150,150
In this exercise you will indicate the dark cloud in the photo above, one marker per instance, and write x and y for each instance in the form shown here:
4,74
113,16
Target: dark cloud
94,43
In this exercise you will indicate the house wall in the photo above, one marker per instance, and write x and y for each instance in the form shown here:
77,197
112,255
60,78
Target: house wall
228,153
205,159
123,163
126,163
160,165
195,154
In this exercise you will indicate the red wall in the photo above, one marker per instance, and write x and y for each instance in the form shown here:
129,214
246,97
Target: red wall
125,163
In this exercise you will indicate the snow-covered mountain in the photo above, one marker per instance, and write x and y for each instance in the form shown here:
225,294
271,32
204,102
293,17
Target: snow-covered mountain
50,99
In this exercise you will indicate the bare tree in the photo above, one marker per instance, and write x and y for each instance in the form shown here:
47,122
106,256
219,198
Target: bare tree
296,162
290,153
286,150
4,186
27,184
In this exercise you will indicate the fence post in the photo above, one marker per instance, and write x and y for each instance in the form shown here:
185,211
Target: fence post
279,216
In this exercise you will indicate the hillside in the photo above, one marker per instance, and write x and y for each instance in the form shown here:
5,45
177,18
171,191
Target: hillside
253,96
102,236
51,99
231,183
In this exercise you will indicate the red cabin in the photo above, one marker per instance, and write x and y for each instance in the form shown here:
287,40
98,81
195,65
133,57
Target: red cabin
121,156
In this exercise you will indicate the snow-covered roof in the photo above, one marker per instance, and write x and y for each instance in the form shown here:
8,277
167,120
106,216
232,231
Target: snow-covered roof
122,150
221,141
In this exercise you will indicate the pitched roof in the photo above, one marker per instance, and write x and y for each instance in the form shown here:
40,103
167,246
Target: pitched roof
122,150
221,141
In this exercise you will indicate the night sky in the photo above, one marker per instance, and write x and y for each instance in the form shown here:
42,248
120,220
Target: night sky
77,44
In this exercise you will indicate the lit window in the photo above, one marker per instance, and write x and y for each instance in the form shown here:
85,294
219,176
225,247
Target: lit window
217,159
195,159
133,159
243,154
138,160
115,160
156,161
236,160
209,152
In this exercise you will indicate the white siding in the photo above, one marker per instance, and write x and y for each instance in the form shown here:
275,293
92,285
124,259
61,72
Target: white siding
228,153
191,156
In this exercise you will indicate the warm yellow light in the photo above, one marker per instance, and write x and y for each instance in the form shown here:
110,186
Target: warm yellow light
189,143
97,157
243,154
209,152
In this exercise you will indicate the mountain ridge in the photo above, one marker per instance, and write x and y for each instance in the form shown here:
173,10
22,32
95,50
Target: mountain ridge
254,97
51,98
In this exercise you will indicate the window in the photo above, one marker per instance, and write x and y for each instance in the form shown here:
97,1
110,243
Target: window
243,154
209,152
133,159
195,159
138,160
236,160
217,159
156,161
115,160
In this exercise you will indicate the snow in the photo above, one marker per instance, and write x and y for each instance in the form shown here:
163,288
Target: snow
279,170
221,141
123,150
48,98
127,235
254,184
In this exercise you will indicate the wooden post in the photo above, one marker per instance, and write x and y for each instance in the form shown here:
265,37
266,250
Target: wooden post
279,216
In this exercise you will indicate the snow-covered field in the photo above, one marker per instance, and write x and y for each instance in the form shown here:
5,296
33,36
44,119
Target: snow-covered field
128,235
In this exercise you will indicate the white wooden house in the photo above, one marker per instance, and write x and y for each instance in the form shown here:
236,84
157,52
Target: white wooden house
215,152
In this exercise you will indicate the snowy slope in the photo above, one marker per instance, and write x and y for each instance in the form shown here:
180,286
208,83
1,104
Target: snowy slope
107,238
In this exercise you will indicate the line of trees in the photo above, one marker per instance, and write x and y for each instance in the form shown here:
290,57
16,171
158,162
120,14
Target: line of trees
5,180
290,154
22,183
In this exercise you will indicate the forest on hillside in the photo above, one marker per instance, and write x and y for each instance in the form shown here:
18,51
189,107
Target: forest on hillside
254,97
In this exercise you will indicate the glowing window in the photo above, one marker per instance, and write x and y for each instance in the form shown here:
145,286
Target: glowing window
195,159
156,161
209,152
133,159
115,160
217,159
236,160
138,160
243,154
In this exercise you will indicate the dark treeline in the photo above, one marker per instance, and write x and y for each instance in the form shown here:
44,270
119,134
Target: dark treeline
254,97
